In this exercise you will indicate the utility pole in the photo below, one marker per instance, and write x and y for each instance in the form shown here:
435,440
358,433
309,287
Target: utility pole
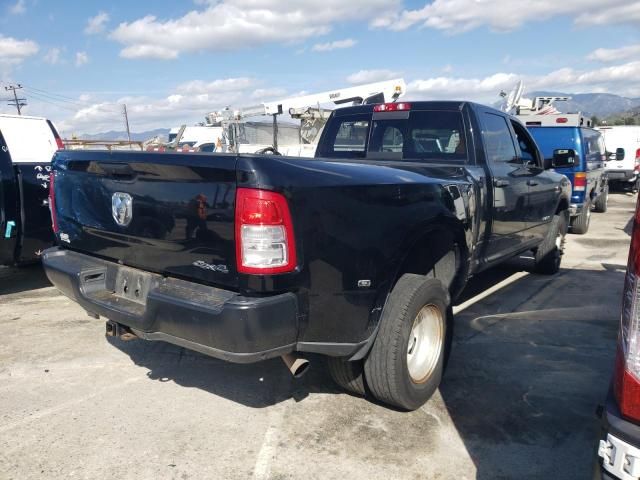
126,121
16,102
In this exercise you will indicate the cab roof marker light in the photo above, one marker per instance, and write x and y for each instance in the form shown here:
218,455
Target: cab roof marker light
392,107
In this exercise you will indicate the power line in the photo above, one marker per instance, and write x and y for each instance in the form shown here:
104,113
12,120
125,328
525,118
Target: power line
45,100
16,102
76,108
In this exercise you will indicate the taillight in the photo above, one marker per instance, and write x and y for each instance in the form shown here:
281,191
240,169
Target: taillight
52,202
637,164
626,380
579,181
59,143
264,233
392,107
562,120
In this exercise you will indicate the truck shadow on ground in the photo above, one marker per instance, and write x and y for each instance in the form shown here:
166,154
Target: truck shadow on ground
530,363
22,279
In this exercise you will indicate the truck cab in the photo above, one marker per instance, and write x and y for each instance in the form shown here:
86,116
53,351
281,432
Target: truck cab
27,145
571,136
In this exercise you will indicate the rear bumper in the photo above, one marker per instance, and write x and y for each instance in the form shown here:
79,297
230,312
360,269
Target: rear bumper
216,322
619,444
621,175
575,209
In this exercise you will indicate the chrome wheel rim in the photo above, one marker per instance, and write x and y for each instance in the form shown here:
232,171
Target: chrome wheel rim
426,342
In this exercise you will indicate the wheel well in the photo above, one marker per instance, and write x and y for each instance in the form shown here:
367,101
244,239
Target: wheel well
563,205
439,253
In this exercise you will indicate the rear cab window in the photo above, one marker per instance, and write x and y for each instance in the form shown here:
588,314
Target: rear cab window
416,135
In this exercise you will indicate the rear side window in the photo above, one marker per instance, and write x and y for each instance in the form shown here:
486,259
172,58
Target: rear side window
593,144
497,139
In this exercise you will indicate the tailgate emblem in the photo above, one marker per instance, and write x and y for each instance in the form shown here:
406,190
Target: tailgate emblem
122,208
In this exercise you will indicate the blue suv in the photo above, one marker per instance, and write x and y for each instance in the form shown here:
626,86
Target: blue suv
588,176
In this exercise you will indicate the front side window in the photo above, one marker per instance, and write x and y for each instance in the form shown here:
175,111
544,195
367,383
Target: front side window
526,144
497,139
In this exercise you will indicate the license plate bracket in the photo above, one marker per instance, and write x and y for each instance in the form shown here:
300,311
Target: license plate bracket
132,285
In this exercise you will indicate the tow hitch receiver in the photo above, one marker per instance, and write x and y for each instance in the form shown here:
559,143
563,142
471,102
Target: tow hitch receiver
114,329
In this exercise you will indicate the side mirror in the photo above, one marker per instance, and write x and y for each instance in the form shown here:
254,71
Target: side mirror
563,158
619,154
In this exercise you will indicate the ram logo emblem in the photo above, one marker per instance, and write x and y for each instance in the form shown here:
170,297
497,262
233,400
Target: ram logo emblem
122,208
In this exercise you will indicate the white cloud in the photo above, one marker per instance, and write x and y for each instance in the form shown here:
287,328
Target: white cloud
370,76
14,52
447,68
455,16
52,57
81,58
18,8
235,24
187,103
338,44
96,24
263,94
456,88
149,51
615,54
611,12
623,79
199,87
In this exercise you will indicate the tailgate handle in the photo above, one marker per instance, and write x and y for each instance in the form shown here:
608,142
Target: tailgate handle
117,169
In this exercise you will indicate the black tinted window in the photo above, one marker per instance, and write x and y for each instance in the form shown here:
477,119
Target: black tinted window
346,137
497,139
526,144
593,143
423,135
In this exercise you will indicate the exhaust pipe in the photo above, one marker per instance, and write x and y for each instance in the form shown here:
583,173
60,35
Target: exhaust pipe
297,365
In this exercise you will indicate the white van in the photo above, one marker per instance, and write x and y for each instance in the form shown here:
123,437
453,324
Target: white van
623,164
27,145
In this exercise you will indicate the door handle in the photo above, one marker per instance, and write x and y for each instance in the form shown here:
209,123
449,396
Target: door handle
498,182
532,183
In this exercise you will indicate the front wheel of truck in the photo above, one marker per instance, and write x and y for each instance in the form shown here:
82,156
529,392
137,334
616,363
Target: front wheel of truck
406,363
601,202
549,255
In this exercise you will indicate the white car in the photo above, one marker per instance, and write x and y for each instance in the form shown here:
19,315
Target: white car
623,164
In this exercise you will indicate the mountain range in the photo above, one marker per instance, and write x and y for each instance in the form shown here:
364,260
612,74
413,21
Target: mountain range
598,104
122,135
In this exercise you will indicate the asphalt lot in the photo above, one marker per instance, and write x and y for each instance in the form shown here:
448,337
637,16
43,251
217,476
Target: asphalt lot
531,361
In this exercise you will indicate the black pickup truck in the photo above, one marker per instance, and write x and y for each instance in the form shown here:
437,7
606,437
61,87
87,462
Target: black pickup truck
355,254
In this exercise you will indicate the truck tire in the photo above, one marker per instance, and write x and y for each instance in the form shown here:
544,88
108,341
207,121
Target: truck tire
406,362
580,224
549,255
348,375
601,202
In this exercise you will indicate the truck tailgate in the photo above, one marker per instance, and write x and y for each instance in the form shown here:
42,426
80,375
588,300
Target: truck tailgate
167,213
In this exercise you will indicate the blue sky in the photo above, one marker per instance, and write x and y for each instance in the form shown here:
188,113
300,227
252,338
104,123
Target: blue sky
172,62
